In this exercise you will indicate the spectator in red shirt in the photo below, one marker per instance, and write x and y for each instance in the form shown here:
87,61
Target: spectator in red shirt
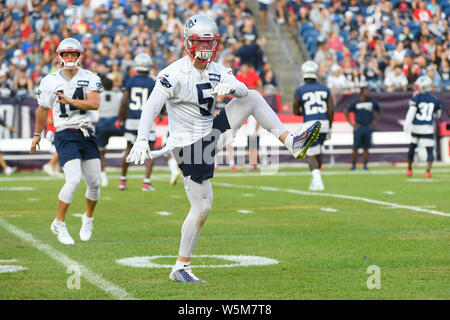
422,13
249,77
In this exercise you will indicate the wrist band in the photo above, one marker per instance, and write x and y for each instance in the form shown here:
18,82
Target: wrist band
37,134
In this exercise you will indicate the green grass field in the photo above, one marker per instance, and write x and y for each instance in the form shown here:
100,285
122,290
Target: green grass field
323,242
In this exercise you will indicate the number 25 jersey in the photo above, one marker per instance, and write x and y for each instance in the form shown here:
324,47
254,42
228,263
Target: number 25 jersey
313,98
65,115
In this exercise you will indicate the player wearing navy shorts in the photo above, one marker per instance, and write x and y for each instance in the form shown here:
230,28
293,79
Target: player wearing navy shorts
367,114
314,101
189,87
424,108
72,94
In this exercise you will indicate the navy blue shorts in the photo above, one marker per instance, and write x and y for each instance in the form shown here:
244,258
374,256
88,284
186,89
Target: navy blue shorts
197,160
362,137
106,129
72,144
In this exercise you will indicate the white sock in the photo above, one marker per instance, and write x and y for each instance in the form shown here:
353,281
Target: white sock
289,141
123,178
316,175
180,265
147,180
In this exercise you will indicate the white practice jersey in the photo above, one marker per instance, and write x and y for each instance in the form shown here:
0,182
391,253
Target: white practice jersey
110,104
64,115
189,103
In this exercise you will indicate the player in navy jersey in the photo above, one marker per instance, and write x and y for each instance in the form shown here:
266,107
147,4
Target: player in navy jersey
72,94
367,114
424,108
314,101
137,90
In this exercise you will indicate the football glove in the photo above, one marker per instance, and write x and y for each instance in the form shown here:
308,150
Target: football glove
140,152
222,89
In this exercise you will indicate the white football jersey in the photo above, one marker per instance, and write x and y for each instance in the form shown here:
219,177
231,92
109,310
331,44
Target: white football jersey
190,105
65,115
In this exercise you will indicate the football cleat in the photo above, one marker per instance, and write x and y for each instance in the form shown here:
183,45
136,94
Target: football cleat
428,175
353,168
60,230
185,275
10,170
316,186
147,187
174,177
409,173
303,141
48,170
123,185
87,224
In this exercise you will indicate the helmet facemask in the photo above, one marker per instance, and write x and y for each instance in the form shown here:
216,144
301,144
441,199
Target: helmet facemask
201,54
70,65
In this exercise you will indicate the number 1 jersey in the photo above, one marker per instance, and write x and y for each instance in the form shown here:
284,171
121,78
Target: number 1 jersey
65,115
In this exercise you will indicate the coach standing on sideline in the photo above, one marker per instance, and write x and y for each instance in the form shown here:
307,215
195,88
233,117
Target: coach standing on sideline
367,114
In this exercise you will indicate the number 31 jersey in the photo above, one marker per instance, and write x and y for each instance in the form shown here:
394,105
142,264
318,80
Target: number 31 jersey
65,115
313,98
427,107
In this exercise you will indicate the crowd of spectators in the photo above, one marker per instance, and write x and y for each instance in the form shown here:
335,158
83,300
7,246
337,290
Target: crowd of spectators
385,44
113,32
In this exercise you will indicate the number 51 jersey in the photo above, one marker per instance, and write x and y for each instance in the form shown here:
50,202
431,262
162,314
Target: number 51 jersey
427,108
66,115
313,98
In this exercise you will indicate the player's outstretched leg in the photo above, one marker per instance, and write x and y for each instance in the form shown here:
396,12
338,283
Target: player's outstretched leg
239,109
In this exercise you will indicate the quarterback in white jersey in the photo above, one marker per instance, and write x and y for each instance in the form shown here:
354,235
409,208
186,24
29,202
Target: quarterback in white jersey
72,94
188,87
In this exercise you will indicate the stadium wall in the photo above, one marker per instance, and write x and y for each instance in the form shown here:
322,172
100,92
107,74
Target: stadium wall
390,143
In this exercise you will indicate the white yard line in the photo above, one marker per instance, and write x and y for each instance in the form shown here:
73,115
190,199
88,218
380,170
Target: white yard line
94,278
339,196
301,172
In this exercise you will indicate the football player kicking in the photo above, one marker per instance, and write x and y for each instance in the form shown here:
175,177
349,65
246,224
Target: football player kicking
314,101
419,122
74,138
188,88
